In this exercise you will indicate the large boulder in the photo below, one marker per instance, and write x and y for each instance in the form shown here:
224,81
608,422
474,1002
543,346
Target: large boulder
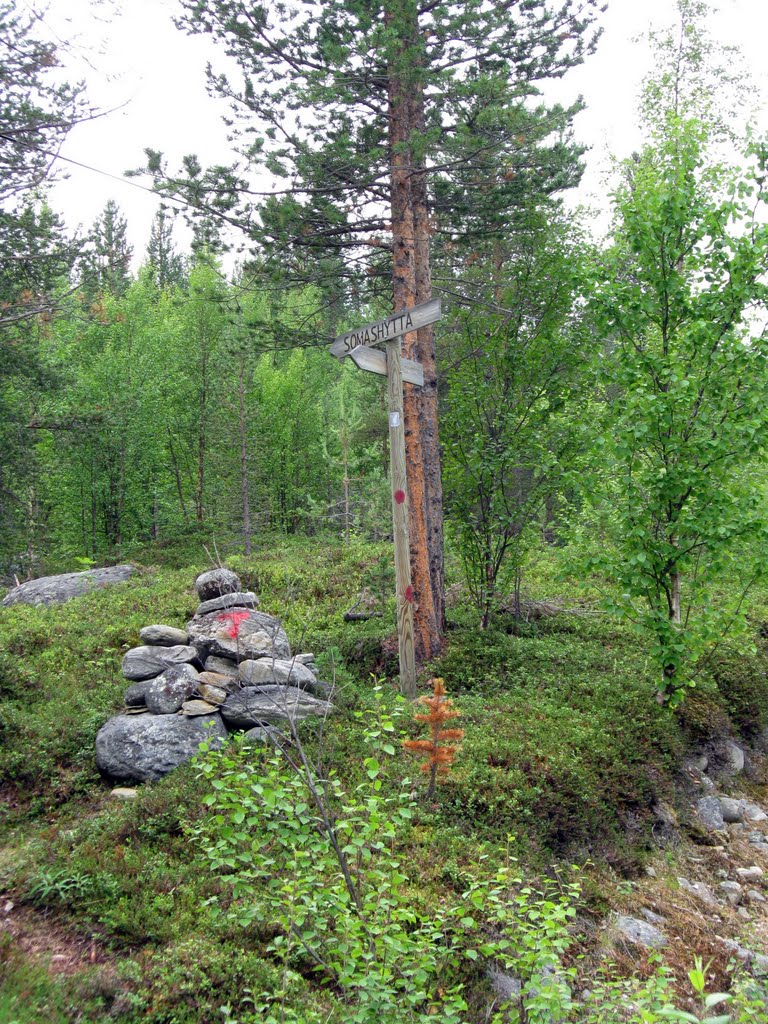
142,747
216,582
239,634
167,692
57,589
146,662
259,705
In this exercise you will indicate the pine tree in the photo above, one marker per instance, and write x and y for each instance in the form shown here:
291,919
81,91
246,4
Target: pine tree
165,264
368,114
110,260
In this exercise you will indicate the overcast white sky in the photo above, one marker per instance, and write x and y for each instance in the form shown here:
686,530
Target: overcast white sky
133,58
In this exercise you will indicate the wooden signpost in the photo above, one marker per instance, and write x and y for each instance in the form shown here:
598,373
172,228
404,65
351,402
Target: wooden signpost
356,344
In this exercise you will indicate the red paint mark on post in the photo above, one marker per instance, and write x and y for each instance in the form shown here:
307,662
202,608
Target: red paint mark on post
399,497
409,594
235,619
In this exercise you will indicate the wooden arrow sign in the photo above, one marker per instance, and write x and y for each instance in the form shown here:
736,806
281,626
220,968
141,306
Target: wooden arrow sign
375,361
394,326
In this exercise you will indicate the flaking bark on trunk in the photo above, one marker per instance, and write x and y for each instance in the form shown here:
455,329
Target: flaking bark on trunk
412,283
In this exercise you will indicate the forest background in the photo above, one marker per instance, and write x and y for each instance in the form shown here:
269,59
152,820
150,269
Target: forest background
607,392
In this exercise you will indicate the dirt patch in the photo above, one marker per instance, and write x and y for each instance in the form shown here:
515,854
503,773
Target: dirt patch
40,939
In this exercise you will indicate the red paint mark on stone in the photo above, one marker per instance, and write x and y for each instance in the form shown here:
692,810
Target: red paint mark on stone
409,593
235,619
399,497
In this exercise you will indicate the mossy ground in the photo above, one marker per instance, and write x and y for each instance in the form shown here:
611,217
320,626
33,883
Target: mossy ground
565,750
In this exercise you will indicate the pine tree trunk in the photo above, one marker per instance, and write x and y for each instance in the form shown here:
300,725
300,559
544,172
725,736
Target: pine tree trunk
412,283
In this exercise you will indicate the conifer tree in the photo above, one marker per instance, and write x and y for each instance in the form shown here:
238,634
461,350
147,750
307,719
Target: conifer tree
110,261
375,117
165,264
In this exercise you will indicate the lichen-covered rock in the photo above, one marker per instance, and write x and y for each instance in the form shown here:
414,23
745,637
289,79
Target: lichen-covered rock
640,933
239,634
163,636
261,705
237,600
710,813
698,889
216,582
142,747
166,693
146,662
57,589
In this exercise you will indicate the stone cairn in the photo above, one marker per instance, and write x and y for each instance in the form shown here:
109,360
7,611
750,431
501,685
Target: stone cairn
230,670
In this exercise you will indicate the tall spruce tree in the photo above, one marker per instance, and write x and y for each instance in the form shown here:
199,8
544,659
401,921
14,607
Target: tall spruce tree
110,261
370,114
165,264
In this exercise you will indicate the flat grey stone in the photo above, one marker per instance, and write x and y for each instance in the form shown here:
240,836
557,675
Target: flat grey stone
731,810
268,670
641,933
138,748
261,705
146,662
216,582
198,707
755,896
163,636
750,874
236,600
224,666
167,692
699,890
58,589
124,793
710,813
240,633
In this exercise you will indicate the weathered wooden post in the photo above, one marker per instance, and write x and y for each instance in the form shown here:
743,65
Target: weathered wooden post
399,484
355,344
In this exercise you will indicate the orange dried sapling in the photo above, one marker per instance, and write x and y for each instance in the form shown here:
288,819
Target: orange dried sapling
441,748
